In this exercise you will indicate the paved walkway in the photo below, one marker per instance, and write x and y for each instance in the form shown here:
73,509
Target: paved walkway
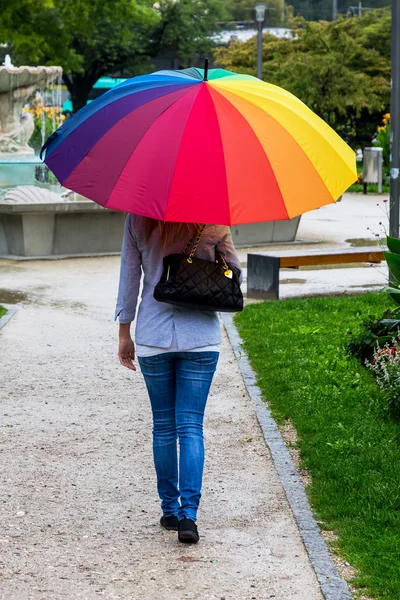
79,512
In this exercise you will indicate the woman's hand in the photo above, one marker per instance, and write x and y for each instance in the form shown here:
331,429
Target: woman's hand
126,347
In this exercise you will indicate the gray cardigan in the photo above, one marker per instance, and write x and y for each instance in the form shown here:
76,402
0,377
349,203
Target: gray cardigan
156,321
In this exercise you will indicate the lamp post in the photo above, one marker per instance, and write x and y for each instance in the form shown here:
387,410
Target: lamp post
395,123
334,10
260,17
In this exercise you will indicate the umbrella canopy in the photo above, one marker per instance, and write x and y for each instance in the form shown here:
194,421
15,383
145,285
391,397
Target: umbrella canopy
201,147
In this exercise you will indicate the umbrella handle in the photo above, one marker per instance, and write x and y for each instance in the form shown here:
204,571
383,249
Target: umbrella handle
205,70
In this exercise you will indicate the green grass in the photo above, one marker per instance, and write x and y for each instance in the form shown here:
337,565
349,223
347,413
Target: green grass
297,349
372,188
2,311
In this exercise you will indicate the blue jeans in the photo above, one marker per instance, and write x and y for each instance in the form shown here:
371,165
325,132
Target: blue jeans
178,384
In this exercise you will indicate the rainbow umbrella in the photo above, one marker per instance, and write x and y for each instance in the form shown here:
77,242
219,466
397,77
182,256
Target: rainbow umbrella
201,146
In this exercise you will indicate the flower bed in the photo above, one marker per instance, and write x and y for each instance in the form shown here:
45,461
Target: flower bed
46,119
385,365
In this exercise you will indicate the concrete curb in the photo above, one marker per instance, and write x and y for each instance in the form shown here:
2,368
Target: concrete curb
11,310
58,256
333,587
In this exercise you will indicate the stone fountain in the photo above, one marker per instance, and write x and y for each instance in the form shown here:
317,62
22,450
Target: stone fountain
39,219
18,85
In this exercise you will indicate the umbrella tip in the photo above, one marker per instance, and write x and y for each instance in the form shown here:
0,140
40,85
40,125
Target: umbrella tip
205,78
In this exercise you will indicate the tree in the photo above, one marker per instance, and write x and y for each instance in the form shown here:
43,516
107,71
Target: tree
88,38
25,26
185,29
92,38
341,70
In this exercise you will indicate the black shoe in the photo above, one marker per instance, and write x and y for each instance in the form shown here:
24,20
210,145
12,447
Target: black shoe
170,523
187,532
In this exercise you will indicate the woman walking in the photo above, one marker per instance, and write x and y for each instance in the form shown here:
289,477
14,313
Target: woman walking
177,349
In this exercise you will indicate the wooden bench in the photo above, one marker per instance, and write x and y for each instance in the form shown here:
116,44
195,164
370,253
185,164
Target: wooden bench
263,268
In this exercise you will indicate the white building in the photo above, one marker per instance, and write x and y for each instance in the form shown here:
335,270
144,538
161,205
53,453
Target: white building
243,35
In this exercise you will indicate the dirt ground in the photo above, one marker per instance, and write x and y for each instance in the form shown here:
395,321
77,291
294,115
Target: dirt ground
79,509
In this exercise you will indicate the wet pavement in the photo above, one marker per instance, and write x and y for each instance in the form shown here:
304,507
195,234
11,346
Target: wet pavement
79,513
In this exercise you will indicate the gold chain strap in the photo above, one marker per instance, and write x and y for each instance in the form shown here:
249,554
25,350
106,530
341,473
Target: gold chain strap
189,259
221,256
227,270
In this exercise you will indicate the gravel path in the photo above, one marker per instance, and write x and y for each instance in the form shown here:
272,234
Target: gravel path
79,511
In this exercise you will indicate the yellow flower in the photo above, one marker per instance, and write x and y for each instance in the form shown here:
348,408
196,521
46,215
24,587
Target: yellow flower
387,116
63,117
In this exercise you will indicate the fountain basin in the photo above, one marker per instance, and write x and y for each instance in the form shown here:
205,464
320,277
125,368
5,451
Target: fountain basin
63,228
259,234
21,172
82,228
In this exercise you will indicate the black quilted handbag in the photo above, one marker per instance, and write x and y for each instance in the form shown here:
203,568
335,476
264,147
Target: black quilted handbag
201,284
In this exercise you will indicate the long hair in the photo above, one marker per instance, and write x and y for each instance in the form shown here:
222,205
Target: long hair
170,232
